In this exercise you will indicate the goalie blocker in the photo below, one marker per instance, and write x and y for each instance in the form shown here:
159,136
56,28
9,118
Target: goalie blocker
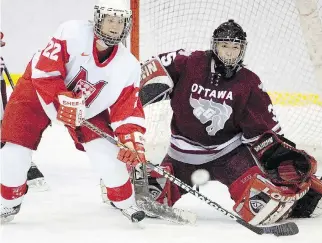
156,83
295,192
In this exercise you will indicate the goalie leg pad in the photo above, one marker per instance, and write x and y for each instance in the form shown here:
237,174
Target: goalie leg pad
308,206
261,202
160,188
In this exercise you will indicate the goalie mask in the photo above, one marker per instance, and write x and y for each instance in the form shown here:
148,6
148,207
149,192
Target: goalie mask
112,21
229,44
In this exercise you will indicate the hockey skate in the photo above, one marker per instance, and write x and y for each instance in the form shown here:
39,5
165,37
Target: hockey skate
8,214
134,214
152,208
104,194
35,179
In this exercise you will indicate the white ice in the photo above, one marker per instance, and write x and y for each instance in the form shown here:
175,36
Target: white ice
72,211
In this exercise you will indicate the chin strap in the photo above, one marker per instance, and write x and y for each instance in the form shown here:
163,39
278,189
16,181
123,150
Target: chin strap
222,71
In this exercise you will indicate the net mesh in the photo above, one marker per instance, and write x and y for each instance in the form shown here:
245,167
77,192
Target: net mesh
276,52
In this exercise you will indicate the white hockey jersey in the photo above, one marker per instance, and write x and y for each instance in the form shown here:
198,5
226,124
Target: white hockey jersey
3,96
70,62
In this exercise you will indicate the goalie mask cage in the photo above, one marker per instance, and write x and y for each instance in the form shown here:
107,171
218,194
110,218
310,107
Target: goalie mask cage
284,50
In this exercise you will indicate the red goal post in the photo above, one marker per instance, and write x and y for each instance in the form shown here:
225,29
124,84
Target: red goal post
135,34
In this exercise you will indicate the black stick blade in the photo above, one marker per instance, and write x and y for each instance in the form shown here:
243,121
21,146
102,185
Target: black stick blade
278,230
282,229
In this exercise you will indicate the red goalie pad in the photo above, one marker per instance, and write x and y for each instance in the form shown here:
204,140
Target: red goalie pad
160,187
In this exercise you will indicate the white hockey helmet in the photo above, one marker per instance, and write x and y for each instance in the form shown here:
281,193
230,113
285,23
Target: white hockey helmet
117,8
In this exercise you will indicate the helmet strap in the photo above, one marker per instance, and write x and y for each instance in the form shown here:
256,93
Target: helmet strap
219,69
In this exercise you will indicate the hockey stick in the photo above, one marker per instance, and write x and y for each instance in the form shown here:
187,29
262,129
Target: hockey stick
146,203
5,69
278,230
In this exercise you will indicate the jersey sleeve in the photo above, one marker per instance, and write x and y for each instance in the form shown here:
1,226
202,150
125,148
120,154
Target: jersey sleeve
258,115
48,67
127,114
175,63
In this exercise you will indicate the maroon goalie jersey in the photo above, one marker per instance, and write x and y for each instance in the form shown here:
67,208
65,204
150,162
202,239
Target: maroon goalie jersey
211,118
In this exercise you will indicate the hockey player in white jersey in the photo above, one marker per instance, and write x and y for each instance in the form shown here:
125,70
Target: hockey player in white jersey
84,72
35,178
3,98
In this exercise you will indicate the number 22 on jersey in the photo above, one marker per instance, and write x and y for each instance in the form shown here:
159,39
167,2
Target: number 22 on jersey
52,50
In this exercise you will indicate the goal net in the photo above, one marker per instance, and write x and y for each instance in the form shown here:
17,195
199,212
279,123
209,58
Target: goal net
284,44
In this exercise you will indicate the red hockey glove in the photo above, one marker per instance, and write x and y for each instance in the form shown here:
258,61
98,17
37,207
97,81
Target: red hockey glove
281,161
133,154
71,110
2,43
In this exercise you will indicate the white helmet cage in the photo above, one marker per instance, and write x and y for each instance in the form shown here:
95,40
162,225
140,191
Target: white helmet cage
100,11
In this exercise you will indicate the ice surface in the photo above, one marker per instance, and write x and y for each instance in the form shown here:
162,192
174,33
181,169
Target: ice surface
72,210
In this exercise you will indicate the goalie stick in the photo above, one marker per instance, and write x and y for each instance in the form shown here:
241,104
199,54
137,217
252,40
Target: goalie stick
278,230
285,229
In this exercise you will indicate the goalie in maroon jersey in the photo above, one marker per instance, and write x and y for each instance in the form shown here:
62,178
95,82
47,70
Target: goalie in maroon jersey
224,122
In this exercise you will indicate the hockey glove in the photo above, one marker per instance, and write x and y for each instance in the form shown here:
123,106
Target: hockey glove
281,161
2,43
133,154
71,110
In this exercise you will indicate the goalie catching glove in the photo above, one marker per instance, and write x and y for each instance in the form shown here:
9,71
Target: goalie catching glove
282,162
133,151
281,182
